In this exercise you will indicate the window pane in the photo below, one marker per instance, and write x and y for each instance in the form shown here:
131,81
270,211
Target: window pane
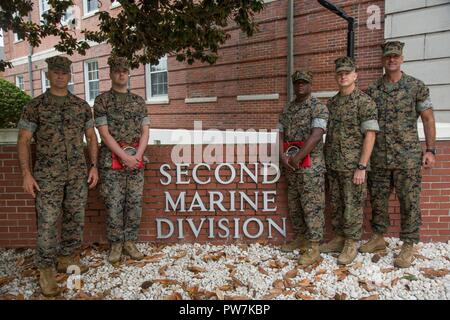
158,79
161,66
93,89
19,82
92,5
159,83
44,5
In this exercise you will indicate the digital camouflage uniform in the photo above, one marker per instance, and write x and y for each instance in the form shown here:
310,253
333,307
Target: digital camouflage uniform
306,186
350,117
397,154
122,190
58,125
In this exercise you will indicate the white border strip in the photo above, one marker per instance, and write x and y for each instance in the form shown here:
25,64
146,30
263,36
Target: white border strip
42,55
258,97
200,100
324,94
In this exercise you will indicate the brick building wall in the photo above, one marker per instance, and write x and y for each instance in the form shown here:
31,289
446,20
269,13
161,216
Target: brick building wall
247,66
18,217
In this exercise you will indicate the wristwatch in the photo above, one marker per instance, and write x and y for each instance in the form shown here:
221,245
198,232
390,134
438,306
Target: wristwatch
361,166
93,165
433,151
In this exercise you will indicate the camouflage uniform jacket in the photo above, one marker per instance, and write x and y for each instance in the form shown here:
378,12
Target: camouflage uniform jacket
297,121
350,117
399,106
124,120
58,132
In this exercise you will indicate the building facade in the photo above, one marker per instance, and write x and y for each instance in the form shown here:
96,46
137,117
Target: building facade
246,88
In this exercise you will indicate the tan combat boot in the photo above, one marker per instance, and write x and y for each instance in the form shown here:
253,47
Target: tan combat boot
405,258
335,245
130,249
376,243
65,261
115,253
311,256
349,252
300,242
47,281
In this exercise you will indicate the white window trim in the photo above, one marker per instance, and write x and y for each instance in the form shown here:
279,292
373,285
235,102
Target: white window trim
16,38
89,14
86,80
64,21
17,77
43,77
163,99
115,4
41,12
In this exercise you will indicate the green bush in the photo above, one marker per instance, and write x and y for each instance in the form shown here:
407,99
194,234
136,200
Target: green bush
12,101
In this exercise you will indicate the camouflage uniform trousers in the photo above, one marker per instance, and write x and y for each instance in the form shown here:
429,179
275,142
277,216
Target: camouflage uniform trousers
346,204
59,196
122,192
306,200
407,184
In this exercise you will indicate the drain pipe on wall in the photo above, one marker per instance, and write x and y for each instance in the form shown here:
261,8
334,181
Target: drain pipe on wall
30,65
290,49
351,23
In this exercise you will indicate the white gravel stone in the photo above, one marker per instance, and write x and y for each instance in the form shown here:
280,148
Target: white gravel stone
125,281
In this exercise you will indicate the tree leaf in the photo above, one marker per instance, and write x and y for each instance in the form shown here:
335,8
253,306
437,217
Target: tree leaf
301,296
153,258
409,277
179,255
291,274
173,296
431,273
261,270
304,283
278,284
162,270
340,296
195,269
372,297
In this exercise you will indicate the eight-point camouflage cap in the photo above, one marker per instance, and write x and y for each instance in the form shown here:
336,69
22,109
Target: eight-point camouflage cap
393,47
58,62
302,75
345,64
118,63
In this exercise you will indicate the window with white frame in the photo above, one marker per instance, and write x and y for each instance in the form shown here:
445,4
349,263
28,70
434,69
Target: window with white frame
115,4
90,6
44,7
20,82
17,38
46,83
91,80
156,76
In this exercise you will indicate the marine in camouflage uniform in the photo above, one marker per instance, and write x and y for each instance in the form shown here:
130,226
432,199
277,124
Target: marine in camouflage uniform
306,186
124,115
351,117
58,124
397,156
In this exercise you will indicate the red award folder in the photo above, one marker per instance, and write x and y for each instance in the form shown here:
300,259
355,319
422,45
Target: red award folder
293,147
130,149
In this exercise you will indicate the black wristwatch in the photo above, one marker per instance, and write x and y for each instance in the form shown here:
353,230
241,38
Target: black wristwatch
433,151
361,166
93,165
